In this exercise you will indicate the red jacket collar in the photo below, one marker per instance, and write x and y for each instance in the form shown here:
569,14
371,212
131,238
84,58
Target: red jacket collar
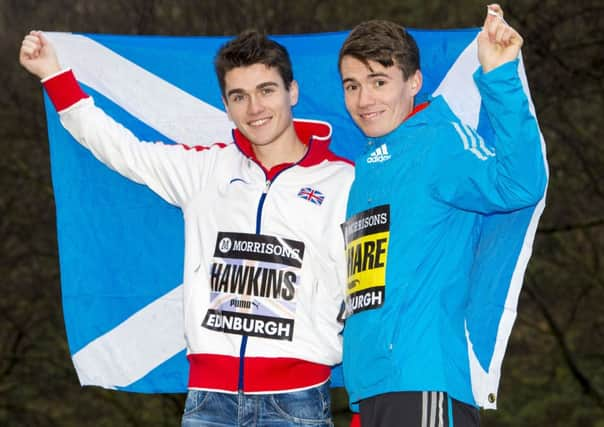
315,134
417,109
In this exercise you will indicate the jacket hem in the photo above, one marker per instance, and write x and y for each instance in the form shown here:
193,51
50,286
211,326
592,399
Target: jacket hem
262,374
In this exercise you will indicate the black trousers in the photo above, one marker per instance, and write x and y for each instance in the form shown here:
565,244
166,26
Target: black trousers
417,409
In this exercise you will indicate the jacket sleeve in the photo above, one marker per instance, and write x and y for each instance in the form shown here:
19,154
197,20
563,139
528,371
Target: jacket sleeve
503,173
173,171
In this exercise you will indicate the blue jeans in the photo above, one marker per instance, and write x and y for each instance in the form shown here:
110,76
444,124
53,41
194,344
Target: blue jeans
309,407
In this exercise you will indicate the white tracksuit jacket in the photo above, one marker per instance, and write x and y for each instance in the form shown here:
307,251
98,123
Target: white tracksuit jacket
264,268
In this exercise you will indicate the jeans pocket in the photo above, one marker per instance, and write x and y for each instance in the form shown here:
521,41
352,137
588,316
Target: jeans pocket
310,406
195,401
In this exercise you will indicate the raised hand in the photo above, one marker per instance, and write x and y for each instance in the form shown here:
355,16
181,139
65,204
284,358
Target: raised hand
38,56
498,43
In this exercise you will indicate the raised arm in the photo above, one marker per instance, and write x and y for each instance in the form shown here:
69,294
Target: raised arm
170,170
505,171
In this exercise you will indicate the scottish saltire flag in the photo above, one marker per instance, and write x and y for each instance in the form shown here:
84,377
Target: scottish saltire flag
121,246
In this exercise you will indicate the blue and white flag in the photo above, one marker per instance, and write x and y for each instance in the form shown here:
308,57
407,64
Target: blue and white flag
121,247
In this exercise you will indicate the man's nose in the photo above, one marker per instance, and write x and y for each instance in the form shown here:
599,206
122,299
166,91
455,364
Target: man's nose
366,98
255,105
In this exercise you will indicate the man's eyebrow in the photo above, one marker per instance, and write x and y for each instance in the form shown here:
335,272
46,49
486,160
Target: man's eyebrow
263,85
370,76
235,91
376,74
266,84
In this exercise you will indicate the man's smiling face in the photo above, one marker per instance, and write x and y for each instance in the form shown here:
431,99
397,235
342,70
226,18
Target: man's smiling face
378,98
258,102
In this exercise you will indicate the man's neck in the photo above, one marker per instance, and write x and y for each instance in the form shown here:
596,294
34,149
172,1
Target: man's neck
285,149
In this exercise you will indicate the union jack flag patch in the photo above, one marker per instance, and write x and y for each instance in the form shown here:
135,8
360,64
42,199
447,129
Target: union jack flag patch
312,195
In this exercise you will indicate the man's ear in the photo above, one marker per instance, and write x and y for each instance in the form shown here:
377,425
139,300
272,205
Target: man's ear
416,82
293,93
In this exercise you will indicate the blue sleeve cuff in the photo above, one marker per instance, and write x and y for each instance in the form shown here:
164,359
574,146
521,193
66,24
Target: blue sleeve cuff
503,72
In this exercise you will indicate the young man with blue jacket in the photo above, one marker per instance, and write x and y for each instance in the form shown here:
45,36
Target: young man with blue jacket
422,191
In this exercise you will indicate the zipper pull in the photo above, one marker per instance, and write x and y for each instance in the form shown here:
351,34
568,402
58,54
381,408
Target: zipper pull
268,185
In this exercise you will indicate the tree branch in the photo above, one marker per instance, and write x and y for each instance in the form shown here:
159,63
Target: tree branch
567,354
570,227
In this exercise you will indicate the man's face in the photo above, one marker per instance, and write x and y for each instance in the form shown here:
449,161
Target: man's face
258,102
378,98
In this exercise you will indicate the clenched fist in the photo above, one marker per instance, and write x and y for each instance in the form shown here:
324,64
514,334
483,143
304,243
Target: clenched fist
38,56
498,43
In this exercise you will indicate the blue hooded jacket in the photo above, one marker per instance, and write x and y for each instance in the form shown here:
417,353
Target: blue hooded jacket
430,298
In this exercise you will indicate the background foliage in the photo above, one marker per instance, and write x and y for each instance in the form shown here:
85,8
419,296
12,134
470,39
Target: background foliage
554,370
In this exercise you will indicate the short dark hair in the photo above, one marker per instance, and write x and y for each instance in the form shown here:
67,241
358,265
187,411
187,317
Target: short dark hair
384,42
249,48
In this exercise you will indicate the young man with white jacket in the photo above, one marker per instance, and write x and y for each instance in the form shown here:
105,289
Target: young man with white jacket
264,261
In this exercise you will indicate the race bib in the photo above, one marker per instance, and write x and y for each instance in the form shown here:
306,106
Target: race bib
366,235
253,280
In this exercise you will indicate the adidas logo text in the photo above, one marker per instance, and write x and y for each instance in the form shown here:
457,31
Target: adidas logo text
379,155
